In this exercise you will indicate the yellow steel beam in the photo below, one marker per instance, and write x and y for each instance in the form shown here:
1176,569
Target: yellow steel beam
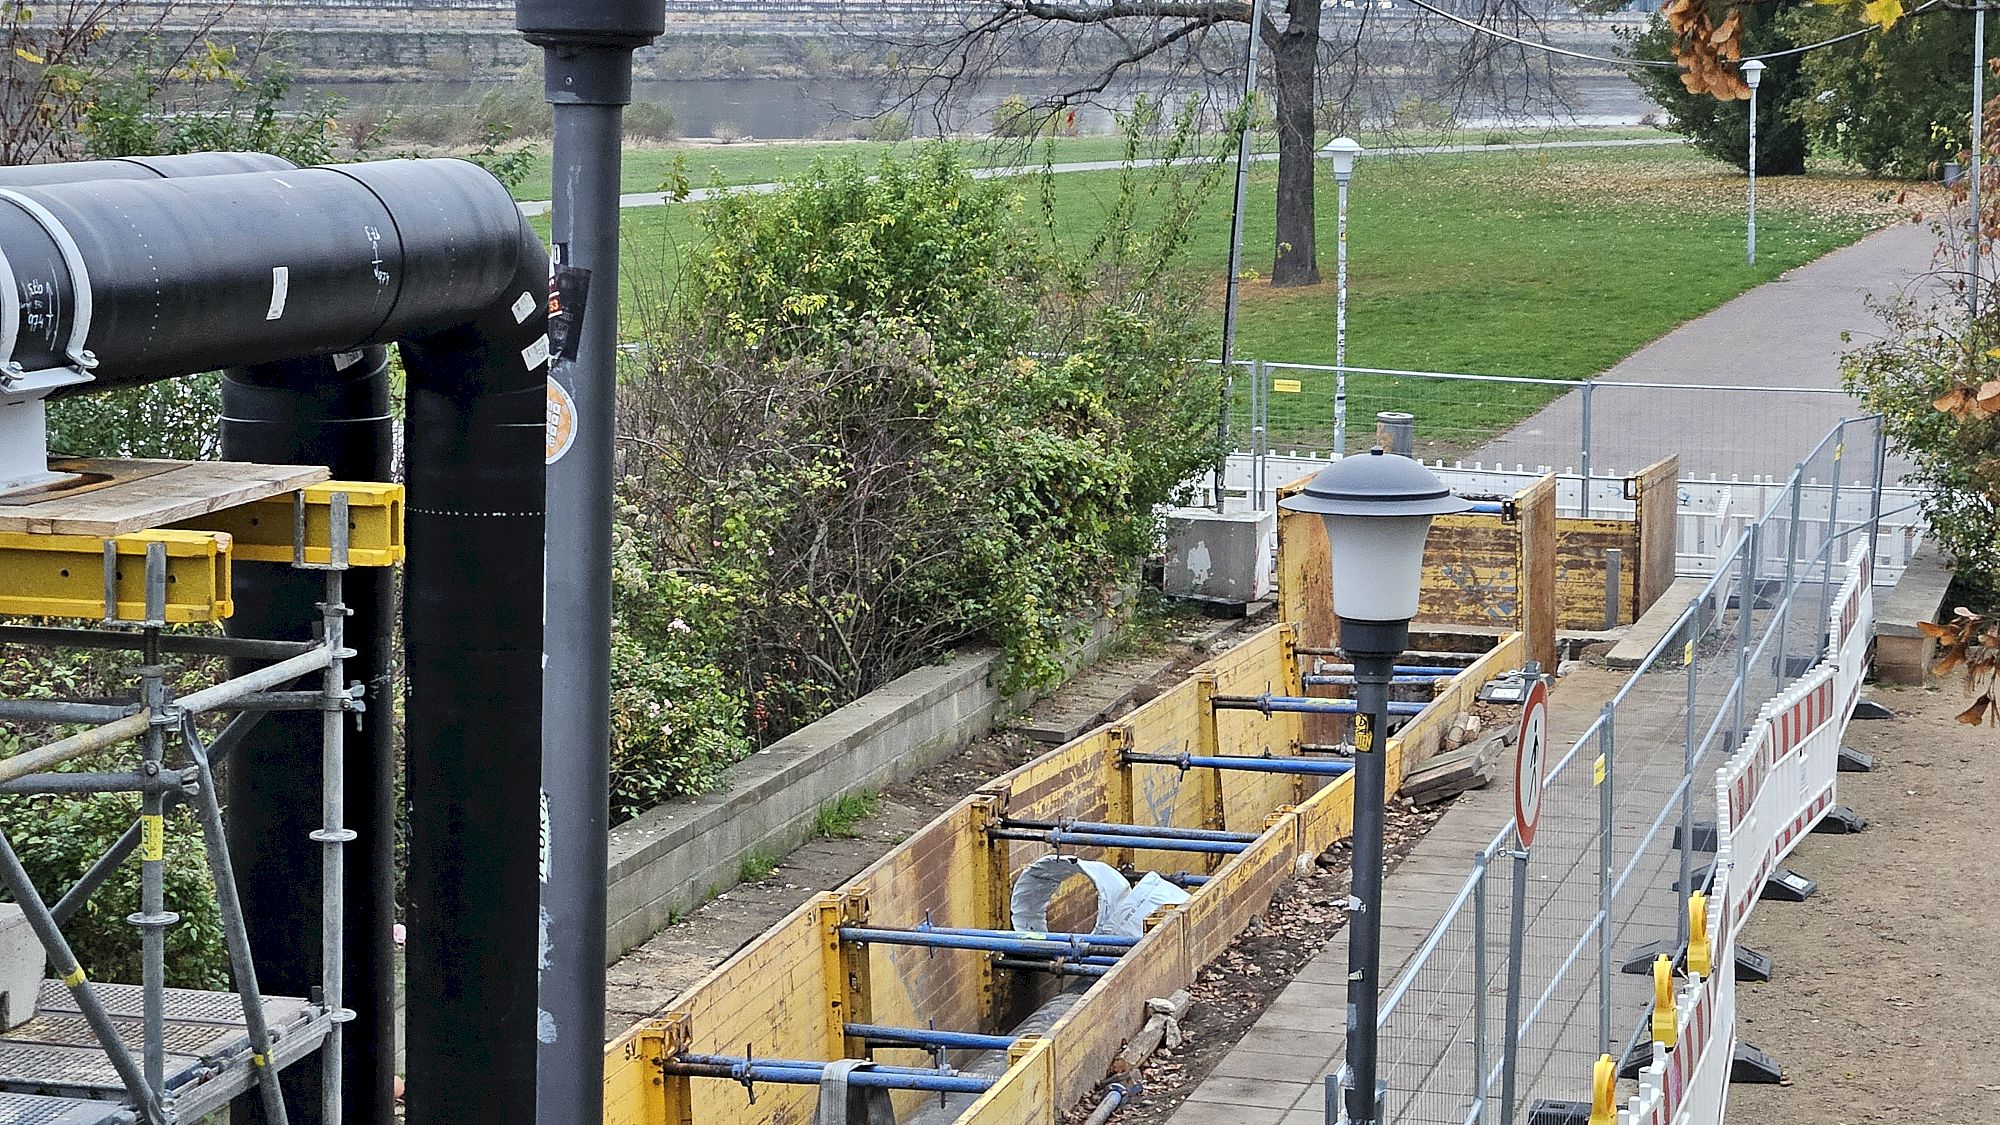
264,530
64,576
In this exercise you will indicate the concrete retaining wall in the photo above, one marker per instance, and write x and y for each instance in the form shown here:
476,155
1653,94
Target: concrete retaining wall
671,859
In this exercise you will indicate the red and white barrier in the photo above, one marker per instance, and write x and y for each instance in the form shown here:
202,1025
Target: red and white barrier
1771,792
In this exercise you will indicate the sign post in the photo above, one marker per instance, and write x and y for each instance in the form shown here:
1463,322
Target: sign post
1530,766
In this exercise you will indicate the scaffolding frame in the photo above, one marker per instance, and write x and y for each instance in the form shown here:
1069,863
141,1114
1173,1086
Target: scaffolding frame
158,722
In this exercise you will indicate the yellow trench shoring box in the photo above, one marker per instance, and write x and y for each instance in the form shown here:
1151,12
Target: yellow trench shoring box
64,575
263,530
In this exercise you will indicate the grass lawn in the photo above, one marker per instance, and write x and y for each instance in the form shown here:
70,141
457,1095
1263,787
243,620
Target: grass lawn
649,166
1553,264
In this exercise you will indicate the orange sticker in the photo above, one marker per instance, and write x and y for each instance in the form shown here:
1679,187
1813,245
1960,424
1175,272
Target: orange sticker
562,422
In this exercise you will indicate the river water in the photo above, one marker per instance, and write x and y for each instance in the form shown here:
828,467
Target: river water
790,109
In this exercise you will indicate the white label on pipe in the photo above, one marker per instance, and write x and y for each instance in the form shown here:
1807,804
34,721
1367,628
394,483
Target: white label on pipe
536,354
523,306
345,360
281,284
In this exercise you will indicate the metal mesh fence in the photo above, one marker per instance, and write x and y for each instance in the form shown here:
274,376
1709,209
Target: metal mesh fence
1623,826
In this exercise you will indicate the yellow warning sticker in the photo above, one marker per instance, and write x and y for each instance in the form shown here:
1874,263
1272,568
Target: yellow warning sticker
1364,739
152,838
1287,386
1687,654
74,977
1597,771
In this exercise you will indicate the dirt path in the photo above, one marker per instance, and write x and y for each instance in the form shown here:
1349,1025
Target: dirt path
647,979
1886,1001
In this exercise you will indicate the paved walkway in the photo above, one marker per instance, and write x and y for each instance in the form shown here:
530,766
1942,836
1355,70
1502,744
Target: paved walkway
659,199
1781,341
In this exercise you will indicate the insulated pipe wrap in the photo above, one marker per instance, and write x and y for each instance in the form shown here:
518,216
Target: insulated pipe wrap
249,268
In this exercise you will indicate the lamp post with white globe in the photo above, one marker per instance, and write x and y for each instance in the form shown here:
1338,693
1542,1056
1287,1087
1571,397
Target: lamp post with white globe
1377,510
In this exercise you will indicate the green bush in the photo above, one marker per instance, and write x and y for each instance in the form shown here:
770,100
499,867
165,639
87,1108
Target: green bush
890,414
1719,128
59,838
651,121
891,127
1015,117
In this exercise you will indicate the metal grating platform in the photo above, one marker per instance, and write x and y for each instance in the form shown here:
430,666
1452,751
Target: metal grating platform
52,1070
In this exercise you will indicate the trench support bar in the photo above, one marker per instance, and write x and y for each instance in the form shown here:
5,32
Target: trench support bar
1268,704
1309,767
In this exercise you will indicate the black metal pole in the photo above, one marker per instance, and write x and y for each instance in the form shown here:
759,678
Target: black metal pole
587,56
1373,647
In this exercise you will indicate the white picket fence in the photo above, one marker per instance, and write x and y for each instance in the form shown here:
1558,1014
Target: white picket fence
1712,513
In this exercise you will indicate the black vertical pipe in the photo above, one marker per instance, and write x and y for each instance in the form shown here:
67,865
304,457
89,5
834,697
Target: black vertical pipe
331,411
588,82
473,612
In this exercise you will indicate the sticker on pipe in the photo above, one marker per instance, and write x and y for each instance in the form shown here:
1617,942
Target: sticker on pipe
1531,761
561,422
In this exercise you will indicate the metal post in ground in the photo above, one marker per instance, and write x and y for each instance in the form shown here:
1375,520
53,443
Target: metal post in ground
333,835
1978,156
1517,924
1606,803
1589,386
1827,549
153,917
1875,490
1233,283
1688,737
1746,603
587,55
1792,578
1342,174
1479,1068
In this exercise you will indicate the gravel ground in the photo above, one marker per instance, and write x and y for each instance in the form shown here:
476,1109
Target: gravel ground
1885,1005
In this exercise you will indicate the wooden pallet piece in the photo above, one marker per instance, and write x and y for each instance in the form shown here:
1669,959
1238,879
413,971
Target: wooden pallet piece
118,497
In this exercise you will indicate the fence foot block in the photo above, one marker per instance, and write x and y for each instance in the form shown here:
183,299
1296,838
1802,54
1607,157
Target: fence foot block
1701,876
1639,963
1548,1111
1752,964
1856,761
1841,821
1869,709
1753,1067
1703,836
1787,885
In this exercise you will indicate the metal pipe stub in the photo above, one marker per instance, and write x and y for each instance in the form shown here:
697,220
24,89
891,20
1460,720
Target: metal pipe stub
1021,944
804,1072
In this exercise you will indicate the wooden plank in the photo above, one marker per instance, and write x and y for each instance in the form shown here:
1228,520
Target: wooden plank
148,494
1535,519
1657,490
1024,1096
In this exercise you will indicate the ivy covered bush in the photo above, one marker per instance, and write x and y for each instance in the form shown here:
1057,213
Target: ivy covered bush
890,411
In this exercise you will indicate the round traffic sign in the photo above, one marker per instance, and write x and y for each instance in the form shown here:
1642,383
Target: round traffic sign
1531,761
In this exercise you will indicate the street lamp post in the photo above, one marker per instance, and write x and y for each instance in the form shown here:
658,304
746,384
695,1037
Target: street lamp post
1753,73
1377,511
1340,151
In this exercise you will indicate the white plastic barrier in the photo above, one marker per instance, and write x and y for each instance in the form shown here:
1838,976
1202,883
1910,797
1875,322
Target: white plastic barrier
1767,797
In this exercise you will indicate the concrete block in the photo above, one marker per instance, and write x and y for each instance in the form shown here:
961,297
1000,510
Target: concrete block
1903,654
1220,556
21,962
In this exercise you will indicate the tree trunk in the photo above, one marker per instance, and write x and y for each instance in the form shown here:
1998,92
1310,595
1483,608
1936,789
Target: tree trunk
1295,55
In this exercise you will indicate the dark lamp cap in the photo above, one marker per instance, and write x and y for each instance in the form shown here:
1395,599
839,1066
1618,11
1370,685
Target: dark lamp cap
1376,484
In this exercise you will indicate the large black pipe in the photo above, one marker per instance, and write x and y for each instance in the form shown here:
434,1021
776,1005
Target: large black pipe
331,411
148,280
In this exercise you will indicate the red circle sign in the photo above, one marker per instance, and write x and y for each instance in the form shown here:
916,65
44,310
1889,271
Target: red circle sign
1531,761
